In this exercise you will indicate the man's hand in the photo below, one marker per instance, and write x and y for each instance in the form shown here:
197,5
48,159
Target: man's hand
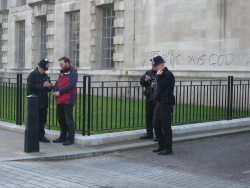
147,78
47,84
159,72
153,84
56,94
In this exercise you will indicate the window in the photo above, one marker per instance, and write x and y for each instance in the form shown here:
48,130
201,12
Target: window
4,5
23,2
1,45
108,32
43,50
20,3
21,44
74,38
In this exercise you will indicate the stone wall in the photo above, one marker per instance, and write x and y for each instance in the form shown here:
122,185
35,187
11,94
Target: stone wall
197,38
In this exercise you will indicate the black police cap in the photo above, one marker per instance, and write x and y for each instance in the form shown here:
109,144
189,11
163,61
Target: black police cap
44,64
157,61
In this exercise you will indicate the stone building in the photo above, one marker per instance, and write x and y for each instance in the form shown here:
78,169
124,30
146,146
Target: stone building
113,39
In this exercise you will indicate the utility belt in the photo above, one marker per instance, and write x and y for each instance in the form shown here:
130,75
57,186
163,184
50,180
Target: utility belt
167,100
148,94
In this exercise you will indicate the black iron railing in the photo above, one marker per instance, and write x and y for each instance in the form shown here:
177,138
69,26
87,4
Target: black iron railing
108,106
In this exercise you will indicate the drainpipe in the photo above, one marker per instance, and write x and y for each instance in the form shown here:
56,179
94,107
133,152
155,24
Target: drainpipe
133,61
134,35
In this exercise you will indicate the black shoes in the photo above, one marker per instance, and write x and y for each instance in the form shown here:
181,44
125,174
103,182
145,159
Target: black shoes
146,137
157,149
165,152
162,151
59,140
44,139
68,142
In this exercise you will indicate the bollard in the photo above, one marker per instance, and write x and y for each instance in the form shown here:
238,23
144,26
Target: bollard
31,142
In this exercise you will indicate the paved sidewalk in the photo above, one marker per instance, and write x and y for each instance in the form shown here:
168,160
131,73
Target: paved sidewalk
12,140
104,172
208,163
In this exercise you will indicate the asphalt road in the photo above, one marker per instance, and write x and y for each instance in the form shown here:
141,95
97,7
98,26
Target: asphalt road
225,157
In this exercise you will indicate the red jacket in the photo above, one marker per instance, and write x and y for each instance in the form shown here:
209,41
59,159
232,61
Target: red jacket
66,85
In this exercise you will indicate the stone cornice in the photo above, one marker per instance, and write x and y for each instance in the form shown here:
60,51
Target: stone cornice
41,2
5,11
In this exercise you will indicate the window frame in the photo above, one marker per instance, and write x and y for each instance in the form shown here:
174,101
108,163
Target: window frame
43,37
108,33
21,44
4,4
74,38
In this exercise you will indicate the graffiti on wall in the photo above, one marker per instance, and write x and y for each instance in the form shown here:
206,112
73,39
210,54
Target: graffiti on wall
212,60
170,57
173,59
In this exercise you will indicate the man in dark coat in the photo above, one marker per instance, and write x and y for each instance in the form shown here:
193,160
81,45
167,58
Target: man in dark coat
148,81
164,97
38,83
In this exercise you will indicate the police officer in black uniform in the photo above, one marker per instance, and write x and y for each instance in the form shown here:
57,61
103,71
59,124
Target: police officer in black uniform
39,84
148,81
164,97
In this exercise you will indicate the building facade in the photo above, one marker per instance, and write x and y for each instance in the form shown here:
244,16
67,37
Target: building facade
114,39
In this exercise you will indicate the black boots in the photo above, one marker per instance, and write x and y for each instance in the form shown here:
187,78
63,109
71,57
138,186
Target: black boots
162,151
68,142
59,140
157,149
146,136
165,152
44,139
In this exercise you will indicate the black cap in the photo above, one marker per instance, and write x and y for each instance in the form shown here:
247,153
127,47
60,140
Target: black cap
157,61
44,64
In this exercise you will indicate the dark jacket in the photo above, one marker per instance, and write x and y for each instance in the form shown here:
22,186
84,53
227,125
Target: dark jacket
148,92
35,82
164,91
66,85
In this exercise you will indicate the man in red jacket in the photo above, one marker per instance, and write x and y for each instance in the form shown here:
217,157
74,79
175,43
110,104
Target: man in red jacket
65,93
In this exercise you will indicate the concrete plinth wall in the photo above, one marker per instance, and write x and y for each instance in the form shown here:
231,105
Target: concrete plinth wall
198,38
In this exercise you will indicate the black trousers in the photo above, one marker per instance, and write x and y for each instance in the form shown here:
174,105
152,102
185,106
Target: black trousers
162,125
149,116
65,119
42,121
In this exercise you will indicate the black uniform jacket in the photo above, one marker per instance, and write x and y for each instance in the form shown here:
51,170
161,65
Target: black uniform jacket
35,82
148,90
165,87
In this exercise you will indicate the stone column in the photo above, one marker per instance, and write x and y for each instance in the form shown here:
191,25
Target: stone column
50,32
93,31
4,14
119,8
43,8
118,56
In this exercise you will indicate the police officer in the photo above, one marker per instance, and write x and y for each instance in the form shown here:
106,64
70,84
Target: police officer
148,80
165,82
38,83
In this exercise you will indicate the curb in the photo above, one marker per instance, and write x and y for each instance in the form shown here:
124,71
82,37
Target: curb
133,146
108,138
